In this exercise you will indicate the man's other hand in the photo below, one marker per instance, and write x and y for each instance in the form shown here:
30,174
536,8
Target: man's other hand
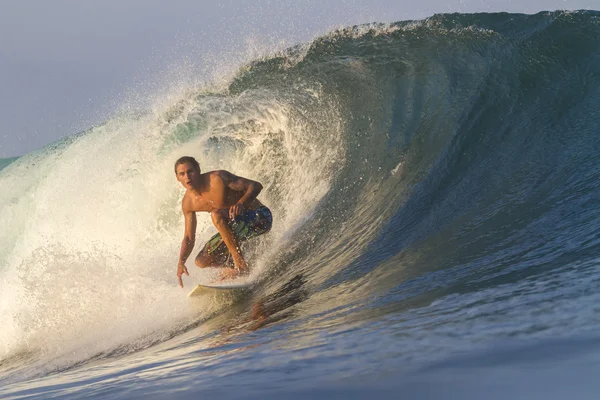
235,210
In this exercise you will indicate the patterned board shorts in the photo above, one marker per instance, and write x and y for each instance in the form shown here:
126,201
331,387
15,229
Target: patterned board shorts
253,223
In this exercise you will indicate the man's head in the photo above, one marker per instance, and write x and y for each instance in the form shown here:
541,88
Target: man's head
187,171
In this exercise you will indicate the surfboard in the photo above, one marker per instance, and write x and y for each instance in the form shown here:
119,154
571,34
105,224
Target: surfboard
220,286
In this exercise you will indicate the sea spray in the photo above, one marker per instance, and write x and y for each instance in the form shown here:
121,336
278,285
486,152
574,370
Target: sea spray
96,239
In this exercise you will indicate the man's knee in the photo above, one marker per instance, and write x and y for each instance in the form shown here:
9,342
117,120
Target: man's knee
201,261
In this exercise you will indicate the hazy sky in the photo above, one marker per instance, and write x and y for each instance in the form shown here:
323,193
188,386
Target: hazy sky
66,65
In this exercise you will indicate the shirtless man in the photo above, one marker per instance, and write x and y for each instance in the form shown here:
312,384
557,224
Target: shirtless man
234,209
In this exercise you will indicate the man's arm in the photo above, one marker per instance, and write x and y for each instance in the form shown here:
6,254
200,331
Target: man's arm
187,245
250,188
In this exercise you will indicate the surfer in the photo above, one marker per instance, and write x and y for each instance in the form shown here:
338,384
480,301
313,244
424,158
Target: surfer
234,209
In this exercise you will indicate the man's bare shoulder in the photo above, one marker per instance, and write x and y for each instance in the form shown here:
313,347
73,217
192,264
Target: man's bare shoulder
220,175
187,203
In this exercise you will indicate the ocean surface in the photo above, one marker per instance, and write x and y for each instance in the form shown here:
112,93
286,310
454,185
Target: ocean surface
435,187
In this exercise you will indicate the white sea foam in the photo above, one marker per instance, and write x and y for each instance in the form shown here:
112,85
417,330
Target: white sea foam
92,226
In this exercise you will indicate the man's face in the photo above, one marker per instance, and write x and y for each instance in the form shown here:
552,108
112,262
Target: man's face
187,175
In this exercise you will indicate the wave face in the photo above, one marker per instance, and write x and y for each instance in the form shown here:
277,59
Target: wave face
434,185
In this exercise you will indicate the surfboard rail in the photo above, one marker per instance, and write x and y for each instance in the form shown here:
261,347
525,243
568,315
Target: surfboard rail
219,286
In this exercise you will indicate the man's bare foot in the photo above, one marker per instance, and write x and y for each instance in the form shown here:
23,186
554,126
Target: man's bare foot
230,273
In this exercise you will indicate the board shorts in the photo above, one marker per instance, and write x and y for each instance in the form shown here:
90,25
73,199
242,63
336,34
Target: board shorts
253,223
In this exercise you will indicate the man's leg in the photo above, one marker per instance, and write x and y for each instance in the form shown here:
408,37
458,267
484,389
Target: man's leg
215,259
220,219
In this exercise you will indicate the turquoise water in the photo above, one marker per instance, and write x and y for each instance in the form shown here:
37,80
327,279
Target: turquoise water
6,161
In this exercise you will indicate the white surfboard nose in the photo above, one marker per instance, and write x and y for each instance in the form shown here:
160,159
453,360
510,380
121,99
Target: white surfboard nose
239,284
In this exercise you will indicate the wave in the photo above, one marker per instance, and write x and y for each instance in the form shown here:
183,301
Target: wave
403,162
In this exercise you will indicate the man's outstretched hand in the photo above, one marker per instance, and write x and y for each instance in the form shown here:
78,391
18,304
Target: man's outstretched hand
181,269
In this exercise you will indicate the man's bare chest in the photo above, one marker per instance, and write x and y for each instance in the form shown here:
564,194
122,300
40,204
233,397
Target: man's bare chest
207,202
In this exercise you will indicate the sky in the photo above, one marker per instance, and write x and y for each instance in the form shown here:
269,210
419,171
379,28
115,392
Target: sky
67,65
